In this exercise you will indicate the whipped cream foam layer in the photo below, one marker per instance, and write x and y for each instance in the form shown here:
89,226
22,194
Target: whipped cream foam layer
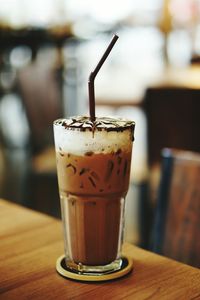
79,135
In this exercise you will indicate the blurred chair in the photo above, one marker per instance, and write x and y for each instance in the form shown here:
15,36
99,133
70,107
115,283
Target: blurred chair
176,228
173,120
195,59
40,87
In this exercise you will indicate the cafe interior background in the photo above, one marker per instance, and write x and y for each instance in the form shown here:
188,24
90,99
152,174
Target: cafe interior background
47,51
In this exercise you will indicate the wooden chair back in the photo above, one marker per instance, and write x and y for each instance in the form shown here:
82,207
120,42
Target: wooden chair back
176,232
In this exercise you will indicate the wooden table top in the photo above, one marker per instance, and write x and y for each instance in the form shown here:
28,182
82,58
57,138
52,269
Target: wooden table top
30,244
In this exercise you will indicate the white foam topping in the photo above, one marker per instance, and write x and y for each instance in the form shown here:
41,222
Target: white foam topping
77,141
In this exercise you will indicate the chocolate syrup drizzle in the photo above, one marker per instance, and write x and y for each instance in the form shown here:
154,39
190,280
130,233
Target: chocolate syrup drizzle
84,123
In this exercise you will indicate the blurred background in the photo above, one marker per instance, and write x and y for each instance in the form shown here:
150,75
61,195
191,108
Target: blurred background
47,51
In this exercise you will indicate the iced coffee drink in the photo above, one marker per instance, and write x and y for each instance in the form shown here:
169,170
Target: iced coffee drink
93,164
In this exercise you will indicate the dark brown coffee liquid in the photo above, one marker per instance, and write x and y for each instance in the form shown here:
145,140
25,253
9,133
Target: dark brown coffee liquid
92,189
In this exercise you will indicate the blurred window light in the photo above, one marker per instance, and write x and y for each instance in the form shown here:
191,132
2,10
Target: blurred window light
185,12
13,121
48,12
19,13
20,56
109,11
179,48
197,40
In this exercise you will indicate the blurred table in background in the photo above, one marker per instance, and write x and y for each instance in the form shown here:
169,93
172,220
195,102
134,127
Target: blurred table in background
122,90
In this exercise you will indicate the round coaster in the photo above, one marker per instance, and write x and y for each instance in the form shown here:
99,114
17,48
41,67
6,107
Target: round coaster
127,265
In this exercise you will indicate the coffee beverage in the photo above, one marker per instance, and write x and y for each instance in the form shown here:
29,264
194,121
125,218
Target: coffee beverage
93,164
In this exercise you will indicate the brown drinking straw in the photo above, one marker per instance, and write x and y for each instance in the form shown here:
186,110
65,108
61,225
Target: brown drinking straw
93,75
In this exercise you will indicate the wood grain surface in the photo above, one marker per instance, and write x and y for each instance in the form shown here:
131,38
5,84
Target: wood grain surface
30,244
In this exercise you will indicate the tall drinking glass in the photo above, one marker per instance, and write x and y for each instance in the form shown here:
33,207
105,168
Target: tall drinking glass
93,166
